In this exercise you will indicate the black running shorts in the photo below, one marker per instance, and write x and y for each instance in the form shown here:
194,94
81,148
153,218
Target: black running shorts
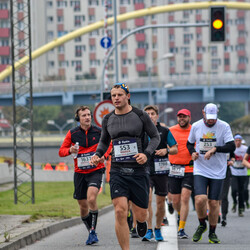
159,183
175,185
83,181
134,187
210,187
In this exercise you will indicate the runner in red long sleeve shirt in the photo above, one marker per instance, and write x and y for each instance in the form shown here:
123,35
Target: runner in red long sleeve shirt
87,178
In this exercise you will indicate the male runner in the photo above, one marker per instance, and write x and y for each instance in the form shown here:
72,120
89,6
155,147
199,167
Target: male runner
159,168
213,138
181,170
87,178
129,180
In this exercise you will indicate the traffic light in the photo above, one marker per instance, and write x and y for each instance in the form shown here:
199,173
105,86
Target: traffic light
217,24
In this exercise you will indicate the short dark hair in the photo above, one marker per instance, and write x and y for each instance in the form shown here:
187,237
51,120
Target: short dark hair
154,107
120,86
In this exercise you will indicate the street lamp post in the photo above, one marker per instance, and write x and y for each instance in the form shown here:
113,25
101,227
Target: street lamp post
60,128
165,112
166,56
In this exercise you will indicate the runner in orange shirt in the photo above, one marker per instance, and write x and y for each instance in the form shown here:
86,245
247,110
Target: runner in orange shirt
181,170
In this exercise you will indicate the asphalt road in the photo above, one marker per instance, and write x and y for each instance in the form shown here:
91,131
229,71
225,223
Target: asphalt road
236,235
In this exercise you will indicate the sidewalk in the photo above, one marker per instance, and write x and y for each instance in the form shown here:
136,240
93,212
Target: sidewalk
22,232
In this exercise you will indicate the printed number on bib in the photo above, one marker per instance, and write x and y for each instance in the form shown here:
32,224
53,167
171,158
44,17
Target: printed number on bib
238,164
161,165
206,145
177,170
83,161
124,150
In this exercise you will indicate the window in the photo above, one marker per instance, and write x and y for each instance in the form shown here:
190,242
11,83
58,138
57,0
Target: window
4,42
188,64
51,64
200,49
60,19
240,21
49,4
93,2
50,34
78,39
215,63
78,20
61,4
213,50
20,6
94,33
91,18
63,64
228,48
226,61
60,49
124,47
185,51
76,5
126,61
240,47
92,48
185,14
50,19
94,62
5,60
3,6
79,49
243,59
199,62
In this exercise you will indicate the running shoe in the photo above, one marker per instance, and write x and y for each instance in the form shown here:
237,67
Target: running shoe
134,233
198,234
223,223
234,208
182,234
92,239
158,236
149,236
141,228
213,238
241,212
164,221
170,208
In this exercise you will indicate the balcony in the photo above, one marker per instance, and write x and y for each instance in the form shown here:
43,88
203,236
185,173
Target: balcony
141,52
4,14
226,55
4,32
241,27
140,37
241,66
139,6
241,53
4,51
240,13
227,68
198,17
140,67
3,67
139,22
241,40
199,69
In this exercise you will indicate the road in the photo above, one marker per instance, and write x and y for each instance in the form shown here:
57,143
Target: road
236,235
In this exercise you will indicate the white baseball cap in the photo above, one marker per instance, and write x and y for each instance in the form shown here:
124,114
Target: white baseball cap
211,111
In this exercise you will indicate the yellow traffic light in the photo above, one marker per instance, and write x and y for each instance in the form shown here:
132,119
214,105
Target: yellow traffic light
217,24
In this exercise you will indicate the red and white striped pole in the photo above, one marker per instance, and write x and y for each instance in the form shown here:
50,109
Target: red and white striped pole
106,80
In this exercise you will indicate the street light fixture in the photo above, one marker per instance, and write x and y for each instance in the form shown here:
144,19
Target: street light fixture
166,56
60,128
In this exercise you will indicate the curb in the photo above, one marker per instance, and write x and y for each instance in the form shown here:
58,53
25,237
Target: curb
31,237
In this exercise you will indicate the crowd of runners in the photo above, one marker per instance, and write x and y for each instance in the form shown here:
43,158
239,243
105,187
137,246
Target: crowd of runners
198,161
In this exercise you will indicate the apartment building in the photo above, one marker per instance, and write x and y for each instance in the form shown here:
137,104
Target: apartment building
82,58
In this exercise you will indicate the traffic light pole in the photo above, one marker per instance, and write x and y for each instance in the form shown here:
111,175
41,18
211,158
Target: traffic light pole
174,25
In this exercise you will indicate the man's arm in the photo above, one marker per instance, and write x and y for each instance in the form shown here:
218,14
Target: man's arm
153,133
65,147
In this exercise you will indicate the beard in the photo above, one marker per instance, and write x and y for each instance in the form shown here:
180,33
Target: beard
183,124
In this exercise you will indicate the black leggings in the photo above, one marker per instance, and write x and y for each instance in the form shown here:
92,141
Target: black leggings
237,184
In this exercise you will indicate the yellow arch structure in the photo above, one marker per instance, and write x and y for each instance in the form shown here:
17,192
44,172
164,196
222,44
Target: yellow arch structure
120,18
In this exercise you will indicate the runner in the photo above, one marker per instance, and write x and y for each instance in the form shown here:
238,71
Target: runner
159,168
87,179
181,170
213,138
239,176
129,180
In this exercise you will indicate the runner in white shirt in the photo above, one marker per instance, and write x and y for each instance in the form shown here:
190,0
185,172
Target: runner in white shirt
209,141
239,175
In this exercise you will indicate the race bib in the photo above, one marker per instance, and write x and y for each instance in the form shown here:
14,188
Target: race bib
124,150
177,170
238,165
206,144
83,161
161,165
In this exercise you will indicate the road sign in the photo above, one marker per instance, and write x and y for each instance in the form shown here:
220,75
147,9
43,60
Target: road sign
105,42
102,109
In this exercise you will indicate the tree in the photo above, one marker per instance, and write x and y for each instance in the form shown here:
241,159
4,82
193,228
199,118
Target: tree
241,125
